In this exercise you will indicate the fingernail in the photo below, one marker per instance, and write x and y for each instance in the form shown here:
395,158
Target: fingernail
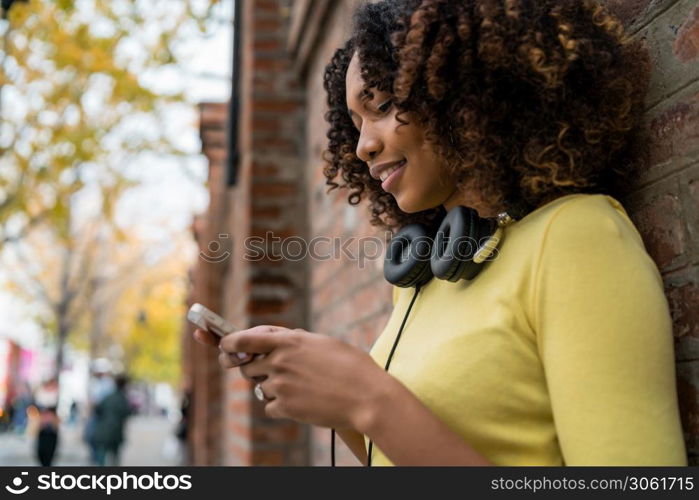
242,355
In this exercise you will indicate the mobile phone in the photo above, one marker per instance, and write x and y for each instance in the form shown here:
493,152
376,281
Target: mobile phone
206,319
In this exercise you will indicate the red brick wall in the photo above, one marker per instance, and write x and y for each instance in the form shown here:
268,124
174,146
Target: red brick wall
268,197
664,203
204,377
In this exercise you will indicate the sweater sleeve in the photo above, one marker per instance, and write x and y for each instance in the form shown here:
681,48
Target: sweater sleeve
604,336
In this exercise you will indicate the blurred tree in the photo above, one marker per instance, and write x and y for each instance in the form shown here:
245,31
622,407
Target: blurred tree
105,289
150,316
74,99
74,108
54,269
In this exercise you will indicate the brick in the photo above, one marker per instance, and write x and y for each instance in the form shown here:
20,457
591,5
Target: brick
264,46
275,143
242,455
238,429
271,6
213,115
241,384
268,263
327,270
285,433
275,106
669,73
268,306
686,47
334,320
690,179
265,212
273,189
266,85
267,457
269,65
263,25
298,456
214,138
216,156
279,234
659,221
629,12
239,407
688,394
675,130
683,301
265,172
258,408
271,279
266,124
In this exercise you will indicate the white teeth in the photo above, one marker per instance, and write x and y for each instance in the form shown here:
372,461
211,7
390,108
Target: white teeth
386,173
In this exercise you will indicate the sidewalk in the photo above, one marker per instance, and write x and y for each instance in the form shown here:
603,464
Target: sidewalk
148,443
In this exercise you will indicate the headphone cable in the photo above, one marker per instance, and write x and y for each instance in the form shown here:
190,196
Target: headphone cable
388,363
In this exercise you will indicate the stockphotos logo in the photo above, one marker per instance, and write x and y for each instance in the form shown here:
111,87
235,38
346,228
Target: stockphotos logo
16,488
103,482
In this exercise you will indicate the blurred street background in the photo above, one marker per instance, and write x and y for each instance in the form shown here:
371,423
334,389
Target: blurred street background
101,176
150,441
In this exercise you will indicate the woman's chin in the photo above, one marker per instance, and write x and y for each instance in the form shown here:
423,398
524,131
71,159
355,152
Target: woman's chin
408,205
414,204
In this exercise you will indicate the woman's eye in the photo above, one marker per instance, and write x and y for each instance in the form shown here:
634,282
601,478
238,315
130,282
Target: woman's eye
385,106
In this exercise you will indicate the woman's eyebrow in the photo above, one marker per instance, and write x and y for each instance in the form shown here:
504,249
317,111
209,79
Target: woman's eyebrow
363,97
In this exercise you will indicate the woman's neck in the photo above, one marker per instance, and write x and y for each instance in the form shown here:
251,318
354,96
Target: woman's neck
471,199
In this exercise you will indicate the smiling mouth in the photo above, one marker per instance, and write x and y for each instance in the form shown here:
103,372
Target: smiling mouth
387,173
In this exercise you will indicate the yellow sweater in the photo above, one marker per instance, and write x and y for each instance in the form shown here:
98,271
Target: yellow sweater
560,352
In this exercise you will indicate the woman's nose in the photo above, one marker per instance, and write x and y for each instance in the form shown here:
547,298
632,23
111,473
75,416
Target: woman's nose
368,148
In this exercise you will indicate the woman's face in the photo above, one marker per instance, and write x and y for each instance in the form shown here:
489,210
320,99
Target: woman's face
415,179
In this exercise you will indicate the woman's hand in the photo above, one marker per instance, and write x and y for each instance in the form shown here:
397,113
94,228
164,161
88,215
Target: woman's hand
225,359
305,376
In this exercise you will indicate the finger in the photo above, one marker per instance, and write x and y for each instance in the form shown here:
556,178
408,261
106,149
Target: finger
267,390
229,361
273,409
260,339
256,368
206,337
255,379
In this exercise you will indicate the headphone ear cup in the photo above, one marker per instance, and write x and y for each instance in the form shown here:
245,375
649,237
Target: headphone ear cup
456,242
407,262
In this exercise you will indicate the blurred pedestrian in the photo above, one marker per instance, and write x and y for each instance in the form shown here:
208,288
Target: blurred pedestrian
101,385
183,427
20,403
74,413
111,414
47,438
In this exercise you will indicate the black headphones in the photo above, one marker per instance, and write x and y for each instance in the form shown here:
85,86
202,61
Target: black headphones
458,250
463,242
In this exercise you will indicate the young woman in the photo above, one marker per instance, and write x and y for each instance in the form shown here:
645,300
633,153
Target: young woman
559,351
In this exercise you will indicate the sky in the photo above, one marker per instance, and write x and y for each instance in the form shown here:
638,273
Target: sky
171,191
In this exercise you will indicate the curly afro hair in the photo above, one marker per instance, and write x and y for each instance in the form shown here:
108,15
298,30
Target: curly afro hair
524,100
